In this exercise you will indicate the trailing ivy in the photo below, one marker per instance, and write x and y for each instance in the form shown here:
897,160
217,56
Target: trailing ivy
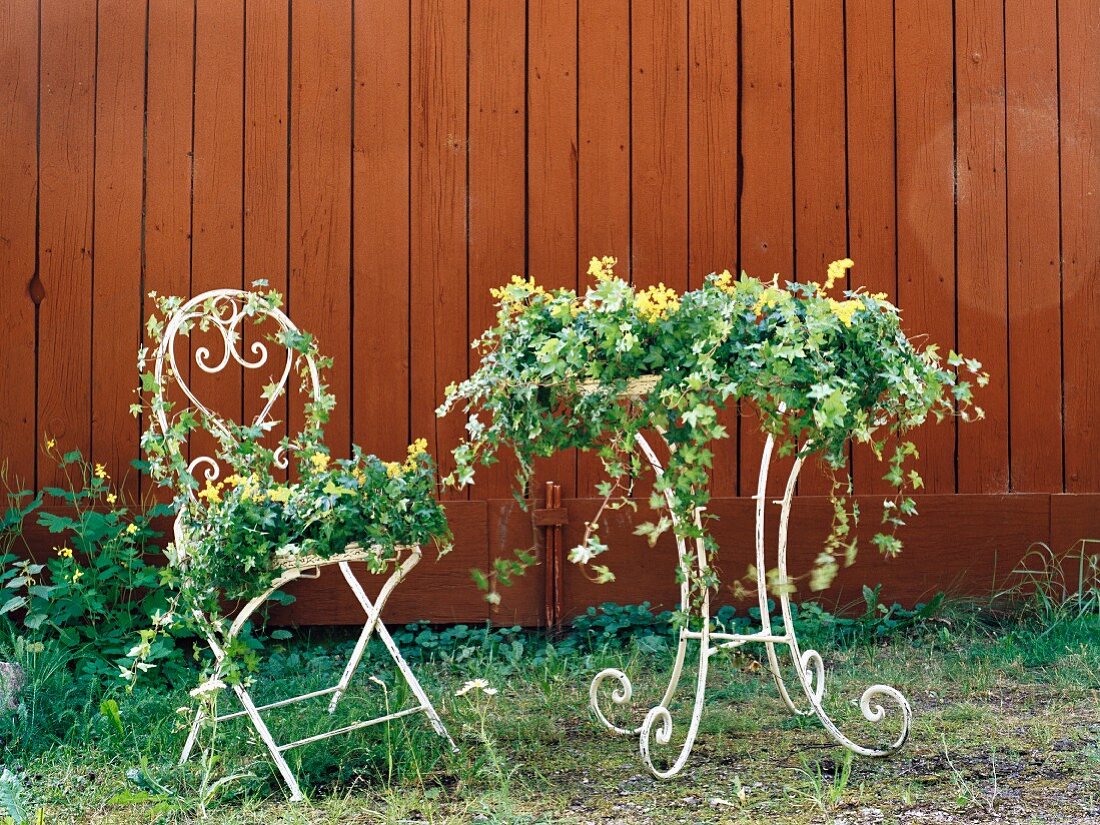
563,370
236,533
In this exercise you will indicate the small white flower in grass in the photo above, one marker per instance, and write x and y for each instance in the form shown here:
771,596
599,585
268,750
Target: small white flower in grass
475,684
489,691
209,686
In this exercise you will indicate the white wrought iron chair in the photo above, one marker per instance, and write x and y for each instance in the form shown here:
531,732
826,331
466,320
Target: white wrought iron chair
222,312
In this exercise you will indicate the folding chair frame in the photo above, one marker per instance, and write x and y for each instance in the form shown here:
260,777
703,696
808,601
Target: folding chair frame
223,312
372,626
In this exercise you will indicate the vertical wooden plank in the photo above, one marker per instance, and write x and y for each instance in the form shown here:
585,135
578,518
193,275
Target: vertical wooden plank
767,194
18,201
497,165
320,197
603,156
116,281
1034,273
659,189
439,332
380,225
267,28
66,167
168,158
819,161
712,196
982,285
1079,96
552,169
869,51
217,193
925,202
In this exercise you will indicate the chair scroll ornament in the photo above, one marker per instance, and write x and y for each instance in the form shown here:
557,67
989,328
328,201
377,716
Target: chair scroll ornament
223,312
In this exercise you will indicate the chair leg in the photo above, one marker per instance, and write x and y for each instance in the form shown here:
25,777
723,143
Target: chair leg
414,685
375,623
356,657
269,741
192,736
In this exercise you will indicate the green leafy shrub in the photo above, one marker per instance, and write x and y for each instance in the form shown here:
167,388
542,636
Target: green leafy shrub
100,582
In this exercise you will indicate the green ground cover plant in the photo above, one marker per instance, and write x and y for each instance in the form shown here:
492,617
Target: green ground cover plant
1007,726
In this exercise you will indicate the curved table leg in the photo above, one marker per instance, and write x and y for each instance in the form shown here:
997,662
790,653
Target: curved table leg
809,667
658,721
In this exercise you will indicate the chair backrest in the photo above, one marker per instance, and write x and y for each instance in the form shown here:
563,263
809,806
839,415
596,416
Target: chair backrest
224,312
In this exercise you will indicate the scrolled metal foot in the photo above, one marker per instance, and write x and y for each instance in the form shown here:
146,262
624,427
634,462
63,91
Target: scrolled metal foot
811,676
620,696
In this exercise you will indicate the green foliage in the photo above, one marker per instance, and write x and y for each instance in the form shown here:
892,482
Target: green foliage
236,534
98,585
561,370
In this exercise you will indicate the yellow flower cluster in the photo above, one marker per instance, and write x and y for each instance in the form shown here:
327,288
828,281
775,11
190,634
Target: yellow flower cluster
844,310
101,471
725,282
250,486
837,270
656,302
602,269
772,296
501,293
416,449
212,492
280,494
319,461
65,552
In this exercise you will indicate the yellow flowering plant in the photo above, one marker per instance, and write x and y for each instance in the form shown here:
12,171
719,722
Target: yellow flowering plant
239,528
557,366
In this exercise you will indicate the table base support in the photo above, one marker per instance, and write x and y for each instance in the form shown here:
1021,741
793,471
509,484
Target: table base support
807,665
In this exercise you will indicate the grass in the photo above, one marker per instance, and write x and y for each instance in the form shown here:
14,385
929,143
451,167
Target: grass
1006,727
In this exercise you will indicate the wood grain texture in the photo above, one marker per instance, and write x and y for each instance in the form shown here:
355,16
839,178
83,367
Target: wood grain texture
1073,518
509,529
320,199
1034,248
498,231
168,164
964,545
1079,104
439,330
552,171
982,280
924,70
767,193
18,256
713,174
380,223
66,172
659,102
603,156
117,276
869,52
265,220
820,185
217,255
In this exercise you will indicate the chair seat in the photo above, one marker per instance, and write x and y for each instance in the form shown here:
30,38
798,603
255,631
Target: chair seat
286,559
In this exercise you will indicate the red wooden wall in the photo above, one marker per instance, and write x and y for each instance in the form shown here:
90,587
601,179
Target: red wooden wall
385,163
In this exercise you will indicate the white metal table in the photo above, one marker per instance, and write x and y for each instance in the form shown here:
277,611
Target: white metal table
807,665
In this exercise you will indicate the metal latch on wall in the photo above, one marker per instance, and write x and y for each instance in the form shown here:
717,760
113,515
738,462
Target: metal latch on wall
552,520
